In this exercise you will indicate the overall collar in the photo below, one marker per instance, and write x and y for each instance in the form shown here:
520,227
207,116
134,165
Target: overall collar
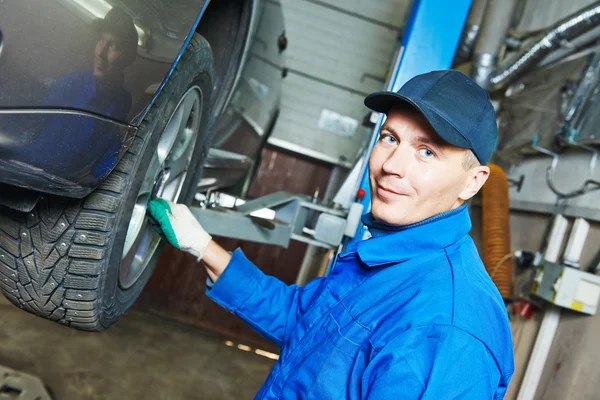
402,243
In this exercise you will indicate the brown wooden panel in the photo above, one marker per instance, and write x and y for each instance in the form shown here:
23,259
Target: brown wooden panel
176,288
280,170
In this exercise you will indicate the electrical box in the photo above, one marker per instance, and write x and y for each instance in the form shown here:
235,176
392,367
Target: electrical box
567,287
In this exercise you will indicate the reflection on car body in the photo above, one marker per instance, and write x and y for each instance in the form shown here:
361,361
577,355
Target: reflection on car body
104,105
107,58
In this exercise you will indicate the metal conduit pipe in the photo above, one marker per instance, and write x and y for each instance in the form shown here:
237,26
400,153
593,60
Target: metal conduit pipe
496,21
471,31
563,31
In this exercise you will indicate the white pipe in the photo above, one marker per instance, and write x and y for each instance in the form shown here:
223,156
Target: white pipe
537,361
547,331
557,237
576,242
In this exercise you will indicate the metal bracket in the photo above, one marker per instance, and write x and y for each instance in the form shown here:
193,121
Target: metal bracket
292,213
518,184
555,156
587,186
571,142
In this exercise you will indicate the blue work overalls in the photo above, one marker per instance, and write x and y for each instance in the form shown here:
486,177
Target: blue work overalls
409,315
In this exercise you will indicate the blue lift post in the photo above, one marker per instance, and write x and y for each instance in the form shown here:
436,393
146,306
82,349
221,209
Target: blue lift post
429,42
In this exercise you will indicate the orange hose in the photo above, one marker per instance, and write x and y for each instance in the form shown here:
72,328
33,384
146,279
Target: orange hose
496,231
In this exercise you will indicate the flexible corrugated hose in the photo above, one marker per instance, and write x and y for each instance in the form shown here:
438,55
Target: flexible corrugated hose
496,231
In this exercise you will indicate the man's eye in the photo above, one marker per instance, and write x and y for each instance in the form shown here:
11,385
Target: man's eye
388,139
425,152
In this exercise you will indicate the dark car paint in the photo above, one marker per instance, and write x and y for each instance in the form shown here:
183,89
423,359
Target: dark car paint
45,70
46,41
39,65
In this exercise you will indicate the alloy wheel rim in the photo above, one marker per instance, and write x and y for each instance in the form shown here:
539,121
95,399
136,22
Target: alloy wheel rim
164,178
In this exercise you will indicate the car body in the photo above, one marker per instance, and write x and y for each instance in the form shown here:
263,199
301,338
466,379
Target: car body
49,128
105,105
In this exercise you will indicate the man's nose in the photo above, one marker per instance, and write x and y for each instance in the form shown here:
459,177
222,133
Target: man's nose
397,162
103,50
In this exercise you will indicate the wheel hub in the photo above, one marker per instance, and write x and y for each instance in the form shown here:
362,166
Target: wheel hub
164,178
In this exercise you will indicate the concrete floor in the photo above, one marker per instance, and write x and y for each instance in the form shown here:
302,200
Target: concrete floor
141,357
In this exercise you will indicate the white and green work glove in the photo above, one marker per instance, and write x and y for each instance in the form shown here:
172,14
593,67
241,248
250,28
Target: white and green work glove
178,225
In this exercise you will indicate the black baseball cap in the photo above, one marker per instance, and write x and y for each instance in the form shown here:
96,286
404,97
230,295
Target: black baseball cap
119,23
458,109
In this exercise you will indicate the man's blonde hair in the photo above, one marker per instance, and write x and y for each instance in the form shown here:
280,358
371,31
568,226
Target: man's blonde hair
470,161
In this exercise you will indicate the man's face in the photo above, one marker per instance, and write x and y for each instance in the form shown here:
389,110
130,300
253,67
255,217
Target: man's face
108,58
414,174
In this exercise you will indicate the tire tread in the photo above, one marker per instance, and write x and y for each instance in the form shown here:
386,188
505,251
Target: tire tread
54,258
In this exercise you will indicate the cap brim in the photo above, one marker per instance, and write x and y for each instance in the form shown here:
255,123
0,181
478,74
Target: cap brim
384,101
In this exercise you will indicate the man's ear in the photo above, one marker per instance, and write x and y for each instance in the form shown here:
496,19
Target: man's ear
477,177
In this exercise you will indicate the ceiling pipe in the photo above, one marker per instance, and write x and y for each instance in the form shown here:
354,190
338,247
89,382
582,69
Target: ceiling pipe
496,21
560,34
471,31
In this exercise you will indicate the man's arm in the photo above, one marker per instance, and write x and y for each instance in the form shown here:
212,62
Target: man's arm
61,91
215,260
439,362
268,305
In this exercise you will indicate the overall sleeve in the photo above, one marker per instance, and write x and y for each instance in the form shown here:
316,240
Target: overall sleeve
58,93
266,304
432,363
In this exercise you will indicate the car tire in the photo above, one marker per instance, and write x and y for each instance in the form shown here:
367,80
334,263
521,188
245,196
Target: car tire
67,260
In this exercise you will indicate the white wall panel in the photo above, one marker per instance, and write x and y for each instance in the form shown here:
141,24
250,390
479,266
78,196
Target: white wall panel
302,103
338,52
387,11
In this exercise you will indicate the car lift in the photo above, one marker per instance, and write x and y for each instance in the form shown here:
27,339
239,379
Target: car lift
291,215
428,43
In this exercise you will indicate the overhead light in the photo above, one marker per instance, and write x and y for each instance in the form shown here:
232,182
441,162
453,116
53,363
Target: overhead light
99,9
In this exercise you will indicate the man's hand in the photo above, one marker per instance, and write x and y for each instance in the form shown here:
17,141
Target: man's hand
179,227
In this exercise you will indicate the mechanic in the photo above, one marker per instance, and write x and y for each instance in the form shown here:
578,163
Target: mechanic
99,89
409,313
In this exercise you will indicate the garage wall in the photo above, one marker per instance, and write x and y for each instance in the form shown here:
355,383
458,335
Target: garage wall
572,171
570,370
574,166
339,51
576,337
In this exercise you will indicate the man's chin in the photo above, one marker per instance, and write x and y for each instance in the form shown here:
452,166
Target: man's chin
389,214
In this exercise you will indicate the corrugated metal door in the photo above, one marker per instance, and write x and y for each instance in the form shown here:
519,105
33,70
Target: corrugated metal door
339,51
